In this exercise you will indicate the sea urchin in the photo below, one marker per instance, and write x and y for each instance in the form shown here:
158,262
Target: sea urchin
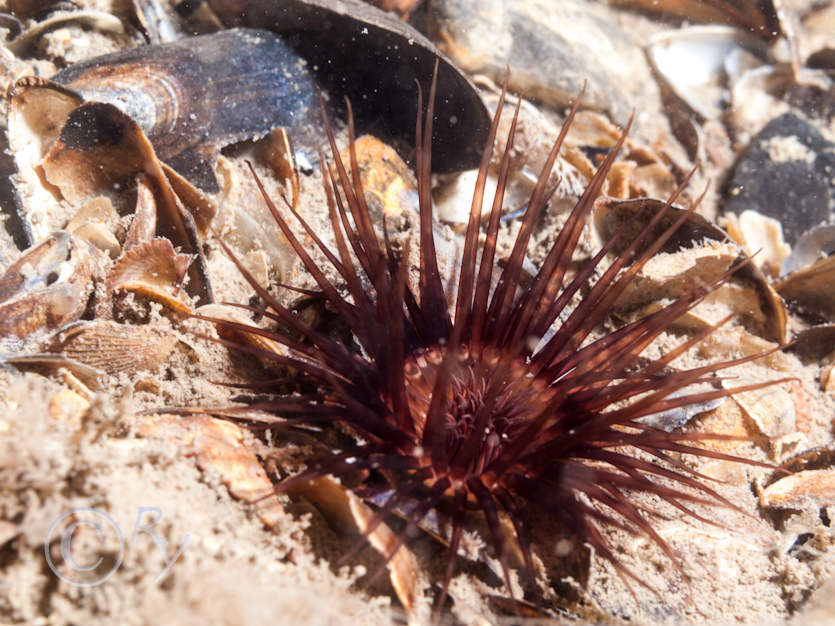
499,402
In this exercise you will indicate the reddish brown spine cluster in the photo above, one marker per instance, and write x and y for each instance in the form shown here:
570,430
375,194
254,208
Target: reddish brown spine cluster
489,403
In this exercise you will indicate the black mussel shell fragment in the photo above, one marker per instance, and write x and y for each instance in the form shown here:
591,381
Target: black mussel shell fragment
193,96
373,58
786,173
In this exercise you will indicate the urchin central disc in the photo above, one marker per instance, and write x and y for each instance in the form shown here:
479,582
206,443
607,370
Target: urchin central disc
486,399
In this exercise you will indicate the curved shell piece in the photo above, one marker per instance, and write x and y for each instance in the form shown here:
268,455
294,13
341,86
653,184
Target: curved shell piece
144,223
220,313
759,235
113,347
813,245
152,269
98,223
37,112
748,292
375,58
757,16
344,509
217,445
78,376
389,185
807,488
195,95
98,20
811,288
49,286
696,62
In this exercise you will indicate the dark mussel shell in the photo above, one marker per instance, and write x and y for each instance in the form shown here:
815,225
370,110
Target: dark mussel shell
372,57
193,96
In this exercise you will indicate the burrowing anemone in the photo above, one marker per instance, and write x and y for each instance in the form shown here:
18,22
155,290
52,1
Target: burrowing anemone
498,403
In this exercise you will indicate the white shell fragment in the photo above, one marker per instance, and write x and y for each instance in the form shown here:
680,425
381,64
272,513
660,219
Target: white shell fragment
812,246
761,237
697,63
37,111
452,202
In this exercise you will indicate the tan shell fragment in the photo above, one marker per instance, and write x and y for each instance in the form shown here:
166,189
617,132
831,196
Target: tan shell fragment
806,488
99,223
245,223
344,509
827,379
684,262
217,446
144,223
68,406
153,270
226,313
277,151
811,288
772,409
388,182
113,347
726,419
759,16
200,206
49,286
78,376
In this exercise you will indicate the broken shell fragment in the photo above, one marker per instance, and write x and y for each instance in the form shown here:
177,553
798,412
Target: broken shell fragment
113,347
37,111
389,184
154,270
277,151
98,20
49,286
813,245
191,97
78,376
772,409
699,251
144,222
344,509
697,62
757,16
807,488
218,447
810,289
99,223
219,314
760,236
